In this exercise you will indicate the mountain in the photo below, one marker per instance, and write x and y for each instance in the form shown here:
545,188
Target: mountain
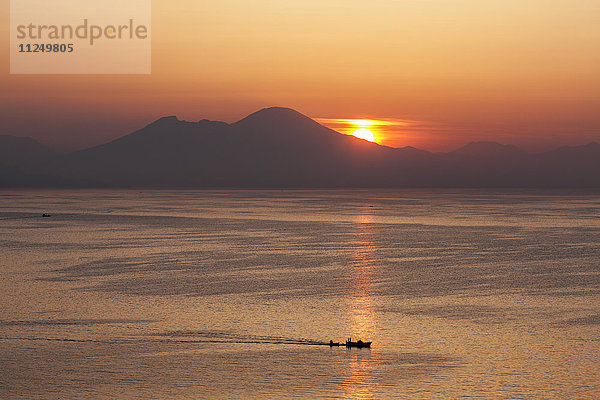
279,147
274,147
23,152
484,164
21,159
570,166
576,154
487,150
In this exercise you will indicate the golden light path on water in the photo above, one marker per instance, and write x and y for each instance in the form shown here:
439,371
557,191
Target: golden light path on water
362,367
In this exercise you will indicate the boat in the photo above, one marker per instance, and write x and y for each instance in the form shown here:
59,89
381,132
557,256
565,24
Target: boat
359,343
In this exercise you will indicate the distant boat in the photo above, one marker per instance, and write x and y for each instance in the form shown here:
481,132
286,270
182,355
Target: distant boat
46,215
359,343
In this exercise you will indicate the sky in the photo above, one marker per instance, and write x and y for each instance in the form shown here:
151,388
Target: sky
446,72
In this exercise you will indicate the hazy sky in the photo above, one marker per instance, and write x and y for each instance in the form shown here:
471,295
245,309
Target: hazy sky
515,71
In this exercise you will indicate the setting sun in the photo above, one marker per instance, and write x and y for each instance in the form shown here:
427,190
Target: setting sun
380,131
364,133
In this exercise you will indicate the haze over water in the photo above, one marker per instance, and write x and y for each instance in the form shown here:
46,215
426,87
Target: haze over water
231,294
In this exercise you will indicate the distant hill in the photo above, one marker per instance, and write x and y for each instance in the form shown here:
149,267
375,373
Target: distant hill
21,160
23,152
279,147
570,166
488,150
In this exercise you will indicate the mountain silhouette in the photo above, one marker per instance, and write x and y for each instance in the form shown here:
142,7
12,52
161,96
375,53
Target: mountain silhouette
280,147
570,166
274,147
21,163
23,152
487,149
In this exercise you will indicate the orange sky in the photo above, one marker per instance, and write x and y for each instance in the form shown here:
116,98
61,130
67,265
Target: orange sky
514,71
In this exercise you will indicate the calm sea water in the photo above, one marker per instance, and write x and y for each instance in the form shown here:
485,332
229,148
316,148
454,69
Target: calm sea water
230,294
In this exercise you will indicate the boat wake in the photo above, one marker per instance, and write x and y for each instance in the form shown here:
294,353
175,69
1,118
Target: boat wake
176,338
227,337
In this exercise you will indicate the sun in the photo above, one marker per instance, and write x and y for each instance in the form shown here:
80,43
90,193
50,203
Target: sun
364,133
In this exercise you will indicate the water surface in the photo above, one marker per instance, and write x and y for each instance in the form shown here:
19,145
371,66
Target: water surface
231,294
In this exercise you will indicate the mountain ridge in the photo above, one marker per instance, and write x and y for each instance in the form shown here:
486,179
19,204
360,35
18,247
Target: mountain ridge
280,147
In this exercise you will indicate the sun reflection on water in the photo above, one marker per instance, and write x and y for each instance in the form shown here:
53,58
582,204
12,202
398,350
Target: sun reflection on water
361,367
362,279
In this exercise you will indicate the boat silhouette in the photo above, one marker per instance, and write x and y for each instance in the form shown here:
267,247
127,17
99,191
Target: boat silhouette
349,343
359,343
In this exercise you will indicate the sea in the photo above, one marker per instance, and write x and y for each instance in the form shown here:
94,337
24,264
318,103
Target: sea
235,294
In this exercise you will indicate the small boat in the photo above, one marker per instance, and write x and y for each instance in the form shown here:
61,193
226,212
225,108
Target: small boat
334,344
359,343
46,215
